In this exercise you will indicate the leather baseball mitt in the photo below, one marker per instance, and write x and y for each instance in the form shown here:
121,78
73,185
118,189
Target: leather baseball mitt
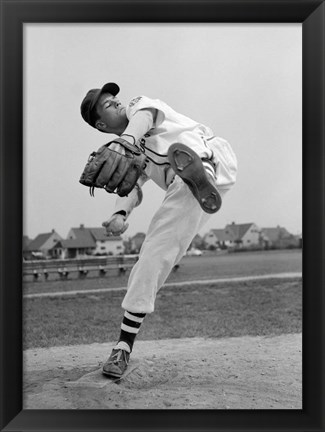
112,170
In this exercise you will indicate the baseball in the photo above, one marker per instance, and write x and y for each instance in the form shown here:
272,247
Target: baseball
115,225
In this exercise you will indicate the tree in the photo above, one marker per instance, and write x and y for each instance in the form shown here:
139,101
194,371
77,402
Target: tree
197,243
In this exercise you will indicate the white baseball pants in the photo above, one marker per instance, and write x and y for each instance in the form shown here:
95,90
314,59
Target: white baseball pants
171,231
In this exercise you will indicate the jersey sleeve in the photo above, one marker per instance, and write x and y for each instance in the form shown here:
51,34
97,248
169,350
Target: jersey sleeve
129,202
142,102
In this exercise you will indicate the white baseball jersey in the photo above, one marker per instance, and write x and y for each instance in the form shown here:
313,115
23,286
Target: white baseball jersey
170,127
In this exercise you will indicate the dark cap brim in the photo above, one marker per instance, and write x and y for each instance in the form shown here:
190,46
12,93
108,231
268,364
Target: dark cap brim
111,88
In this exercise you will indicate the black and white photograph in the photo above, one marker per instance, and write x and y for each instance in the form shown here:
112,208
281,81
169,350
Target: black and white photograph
162,210
162,216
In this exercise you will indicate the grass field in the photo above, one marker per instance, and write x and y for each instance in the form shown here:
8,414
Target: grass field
267,307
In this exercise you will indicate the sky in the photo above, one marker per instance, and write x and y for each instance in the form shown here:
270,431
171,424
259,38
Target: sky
244,81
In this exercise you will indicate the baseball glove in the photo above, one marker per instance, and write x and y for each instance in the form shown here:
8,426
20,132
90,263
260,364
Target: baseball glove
112,170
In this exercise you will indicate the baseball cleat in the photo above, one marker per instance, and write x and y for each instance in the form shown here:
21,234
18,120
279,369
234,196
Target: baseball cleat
189,167
117,363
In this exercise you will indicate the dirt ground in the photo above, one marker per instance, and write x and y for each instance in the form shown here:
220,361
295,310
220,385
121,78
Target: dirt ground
196,373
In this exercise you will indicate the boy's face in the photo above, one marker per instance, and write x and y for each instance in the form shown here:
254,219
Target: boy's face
112,114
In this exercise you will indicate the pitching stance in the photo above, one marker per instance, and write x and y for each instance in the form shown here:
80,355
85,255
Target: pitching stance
180,155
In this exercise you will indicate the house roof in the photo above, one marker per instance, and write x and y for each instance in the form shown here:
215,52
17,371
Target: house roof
71,244
39,241
237,231
221,234
84,237
78,243
100,235
276,233
26,242
87,237
56,245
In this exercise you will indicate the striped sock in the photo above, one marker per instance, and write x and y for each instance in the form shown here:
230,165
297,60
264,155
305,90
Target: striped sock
130,327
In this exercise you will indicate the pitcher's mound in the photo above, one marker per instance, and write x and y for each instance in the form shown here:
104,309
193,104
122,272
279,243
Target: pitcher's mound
232,373
147,373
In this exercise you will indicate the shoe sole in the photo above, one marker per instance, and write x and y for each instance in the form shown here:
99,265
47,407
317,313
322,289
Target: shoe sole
110,375
189,167
125,374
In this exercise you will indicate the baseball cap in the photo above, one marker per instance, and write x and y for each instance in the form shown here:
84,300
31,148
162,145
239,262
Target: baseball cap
91,99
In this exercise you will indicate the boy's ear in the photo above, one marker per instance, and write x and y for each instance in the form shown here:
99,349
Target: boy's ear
100,125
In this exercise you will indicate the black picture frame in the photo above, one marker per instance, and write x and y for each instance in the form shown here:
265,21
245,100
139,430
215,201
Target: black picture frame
311,14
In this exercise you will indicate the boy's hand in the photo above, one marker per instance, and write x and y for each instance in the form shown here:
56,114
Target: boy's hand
118,148
116,225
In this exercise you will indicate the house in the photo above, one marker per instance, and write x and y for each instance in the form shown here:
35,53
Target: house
217,238
234,236
279,237
197,243
136,242
244,235
106,245
41,247
85,241
76,248
57,250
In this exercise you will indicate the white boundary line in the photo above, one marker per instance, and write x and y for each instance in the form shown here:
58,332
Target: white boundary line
171,284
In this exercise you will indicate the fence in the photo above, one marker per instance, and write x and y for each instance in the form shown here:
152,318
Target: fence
80,268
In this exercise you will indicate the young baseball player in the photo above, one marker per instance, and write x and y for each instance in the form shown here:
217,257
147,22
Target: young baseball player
185,159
